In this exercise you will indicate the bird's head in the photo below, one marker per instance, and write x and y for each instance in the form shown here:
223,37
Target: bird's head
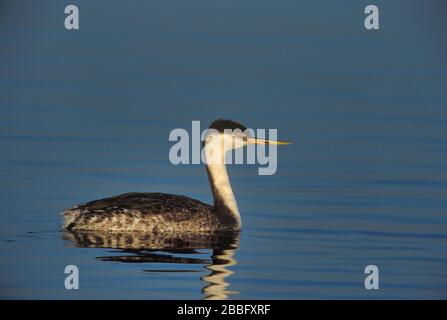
228,135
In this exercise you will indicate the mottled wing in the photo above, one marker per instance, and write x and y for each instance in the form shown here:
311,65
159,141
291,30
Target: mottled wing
169,207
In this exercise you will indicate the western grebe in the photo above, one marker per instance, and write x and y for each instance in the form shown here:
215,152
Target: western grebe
161,213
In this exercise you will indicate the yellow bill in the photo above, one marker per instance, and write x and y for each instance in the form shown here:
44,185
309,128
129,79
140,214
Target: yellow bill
262,141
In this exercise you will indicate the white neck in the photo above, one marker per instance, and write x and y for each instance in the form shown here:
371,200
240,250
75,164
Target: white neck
224,201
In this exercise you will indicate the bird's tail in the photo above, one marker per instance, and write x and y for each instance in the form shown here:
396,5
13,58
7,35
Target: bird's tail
70,216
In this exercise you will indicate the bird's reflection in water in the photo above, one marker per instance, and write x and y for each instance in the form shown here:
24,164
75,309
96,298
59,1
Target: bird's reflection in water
217,286
137,247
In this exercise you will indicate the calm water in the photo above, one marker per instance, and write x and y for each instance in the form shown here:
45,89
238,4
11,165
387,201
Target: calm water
86,114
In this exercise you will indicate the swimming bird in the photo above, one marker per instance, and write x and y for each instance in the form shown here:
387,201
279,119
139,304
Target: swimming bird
160,212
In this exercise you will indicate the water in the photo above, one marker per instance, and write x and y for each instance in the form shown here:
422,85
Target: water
86,114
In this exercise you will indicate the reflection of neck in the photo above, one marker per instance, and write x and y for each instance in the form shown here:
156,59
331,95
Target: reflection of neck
224,201
216,290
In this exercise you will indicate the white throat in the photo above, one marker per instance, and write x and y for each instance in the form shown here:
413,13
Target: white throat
224,201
